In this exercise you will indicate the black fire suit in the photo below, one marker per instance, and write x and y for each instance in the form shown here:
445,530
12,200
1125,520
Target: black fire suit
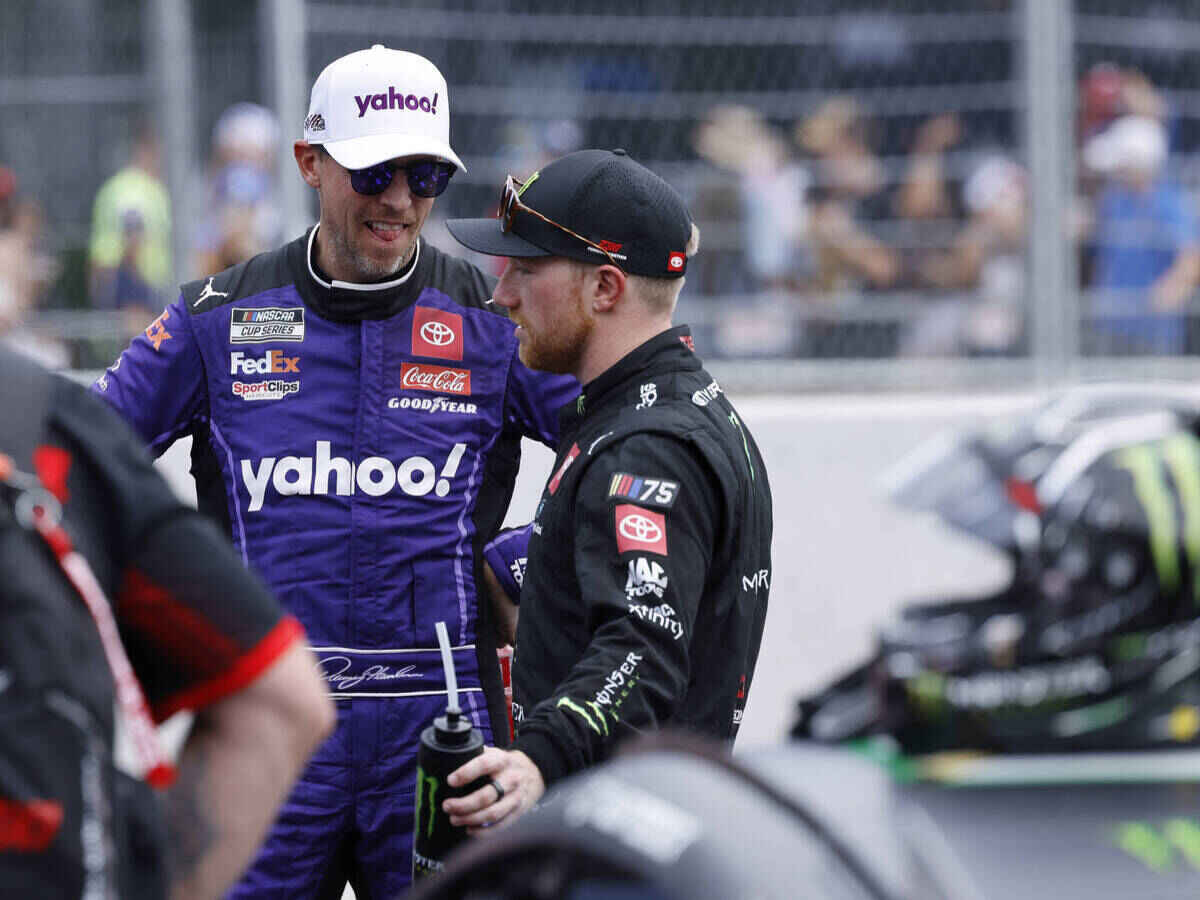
649,565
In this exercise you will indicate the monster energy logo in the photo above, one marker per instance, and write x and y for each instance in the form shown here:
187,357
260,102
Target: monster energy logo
424,780
1159,848
586,715
1180,454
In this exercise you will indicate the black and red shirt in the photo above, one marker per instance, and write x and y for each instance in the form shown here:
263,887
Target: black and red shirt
195,624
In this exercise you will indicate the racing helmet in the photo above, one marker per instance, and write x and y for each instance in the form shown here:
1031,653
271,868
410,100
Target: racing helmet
1096,644
977,480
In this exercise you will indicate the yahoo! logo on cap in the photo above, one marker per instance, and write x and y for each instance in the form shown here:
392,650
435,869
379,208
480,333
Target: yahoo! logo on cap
394,100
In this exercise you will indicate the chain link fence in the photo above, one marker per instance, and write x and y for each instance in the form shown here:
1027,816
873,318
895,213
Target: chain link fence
866,175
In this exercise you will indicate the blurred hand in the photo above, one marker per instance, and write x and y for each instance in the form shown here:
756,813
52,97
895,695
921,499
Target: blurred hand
938,134
1175,287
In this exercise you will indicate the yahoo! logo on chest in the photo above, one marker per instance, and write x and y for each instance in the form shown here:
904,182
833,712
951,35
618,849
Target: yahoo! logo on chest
395,100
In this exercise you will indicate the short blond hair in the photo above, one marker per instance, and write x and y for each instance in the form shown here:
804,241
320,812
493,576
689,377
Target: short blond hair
658,294
661,294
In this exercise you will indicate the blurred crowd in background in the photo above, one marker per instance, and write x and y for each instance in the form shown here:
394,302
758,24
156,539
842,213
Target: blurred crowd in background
837,222
824,224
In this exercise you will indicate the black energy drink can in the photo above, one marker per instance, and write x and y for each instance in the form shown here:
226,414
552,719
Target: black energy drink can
445,745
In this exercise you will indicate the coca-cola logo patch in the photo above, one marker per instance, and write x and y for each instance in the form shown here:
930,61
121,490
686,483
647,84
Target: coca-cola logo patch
438,379
437,333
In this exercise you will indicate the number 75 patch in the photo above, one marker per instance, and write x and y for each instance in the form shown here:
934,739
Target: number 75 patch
655,491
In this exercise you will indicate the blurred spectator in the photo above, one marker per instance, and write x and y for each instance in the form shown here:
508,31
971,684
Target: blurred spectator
1107,93
25,271
1146,257
987,258
763,189
241,205
848,174
771,188
925,193
130,250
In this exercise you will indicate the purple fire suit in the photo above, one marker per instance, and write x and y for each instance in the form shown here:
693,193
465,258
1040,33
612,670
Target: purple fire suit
360,444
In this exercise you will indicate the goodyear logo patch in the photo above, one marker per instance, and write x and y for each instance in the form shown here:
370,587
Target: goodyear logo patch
267,324
654,491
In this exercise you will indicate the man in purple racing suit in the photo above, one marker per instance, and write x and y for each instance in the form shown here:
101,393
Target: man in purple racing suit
356,408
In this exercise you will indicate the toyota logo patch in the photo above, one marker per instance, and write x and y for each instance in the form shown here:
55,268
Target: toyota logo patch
640,530
437,333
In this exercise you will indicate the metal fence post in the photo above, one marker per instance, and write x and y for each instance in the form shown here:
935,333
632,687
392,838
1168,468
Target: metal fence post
173,83
1049,143
287,33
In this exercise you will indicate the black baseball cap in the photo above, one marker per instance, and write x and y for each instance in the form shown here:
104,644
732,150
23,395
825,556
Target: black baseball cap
603,196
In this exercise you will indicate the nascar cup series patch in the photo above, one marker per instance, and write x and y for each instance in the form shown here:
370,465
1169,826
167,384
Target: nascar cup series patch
655,491
271,323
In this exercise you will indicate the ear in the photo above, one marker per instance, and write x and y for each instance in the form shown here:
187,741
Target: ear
607,285
306,160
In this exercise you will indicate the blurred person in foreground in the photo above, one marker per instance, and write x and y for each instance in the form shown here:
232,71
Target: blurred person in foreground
241,209
356,408
129,254
645,593
121,604
1145,243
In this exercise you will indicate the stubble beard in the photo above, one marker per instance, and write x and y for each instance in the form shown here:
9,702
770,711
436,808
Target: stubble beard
368,268
559,351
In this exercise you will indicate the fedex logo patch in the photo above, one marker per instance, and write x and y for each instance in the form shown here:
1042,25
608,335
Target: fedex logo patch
437,333
271,362
156,331
640,530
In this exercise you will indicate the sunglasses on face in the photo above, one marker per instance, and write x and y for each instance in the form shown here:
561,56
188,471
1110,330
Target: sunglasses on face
427,178
510,203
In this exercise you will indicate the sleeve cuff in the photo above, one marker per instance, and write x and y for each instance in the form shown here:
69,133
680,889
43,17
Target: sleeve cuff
244,671
541,748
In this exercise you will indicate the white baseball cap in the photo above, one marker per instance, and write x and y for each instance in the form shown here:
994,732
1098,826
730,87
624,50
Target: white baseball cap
374,105
1135,142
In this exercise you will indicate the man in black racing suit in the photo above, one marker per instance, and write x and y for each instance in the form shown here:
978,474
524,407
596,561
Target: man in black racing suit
648,571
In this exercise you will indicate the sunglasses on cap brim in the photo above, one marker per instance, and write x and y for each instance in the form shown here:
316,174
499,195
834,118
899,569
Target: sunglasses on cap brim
510,204
427,178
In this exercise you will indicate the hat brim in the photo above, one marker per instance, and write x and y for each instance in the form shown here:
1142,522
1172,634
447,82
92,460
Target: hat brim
372,149
484,236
